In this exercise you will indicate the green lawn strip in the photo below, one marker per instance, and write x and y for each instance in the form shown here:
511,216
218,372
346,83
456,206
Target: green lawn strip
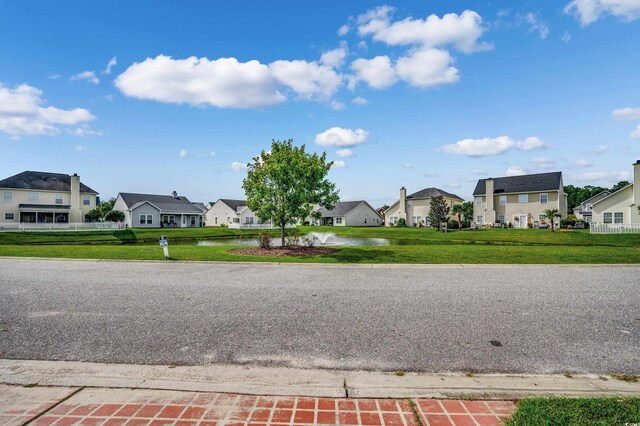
418,254
576,412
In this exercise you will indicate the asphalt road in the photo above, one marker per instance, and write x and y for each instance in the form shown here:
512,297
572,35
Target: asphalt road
433,319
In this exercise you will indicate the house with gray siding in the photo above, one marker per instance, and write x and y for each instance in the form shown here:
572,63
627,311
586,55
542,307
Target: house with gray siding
348,213
158,211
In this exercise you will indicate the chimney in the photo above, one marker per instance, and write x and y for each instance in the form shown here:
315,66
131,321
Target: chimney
490,213
174,194
75,210
402,205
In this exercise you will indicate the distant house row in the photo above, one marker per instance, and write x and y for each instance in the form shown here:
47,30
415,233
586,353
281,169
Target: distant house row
520,201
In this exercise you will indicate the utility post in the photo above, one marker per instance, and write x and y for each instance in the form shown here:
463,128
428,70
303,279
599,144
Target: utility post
165,246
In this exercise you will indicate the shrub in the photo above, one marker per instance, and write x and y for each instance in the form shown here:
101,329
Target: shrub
401,223
293,238
452,224
309,242
114,216
264,240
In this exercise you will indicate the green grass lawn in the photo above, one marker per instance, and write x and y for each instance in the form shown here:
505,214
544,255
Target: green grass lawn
576,412
436,254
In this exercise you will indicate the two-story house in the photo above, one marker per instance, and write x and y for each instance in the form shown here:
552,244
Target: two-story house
621,207
42,197
414,208
520,201
232,213
585,210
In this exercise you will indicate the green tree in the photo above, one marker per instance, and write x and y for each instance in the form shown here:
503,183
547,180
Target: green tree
458,210
93,216
100,211
439,211
114,216
620,185
284,184
551,215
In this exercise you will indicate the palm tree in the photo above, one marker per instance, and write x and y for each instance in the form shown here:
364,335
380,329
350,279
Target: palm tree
458,210
551,214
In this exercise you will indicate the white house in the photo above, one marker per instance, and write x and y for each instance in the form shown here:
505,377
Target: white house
585,210
233,213
621,207
414,208
349,213
44,198
156,211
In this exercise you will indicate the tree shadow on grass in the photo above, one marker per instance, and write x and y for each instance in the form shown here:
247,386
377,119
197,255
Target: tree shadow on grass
126,236
356,255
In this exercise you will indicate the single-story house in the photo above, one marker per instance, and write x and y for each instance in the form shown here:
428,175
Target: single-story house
414,208
156,211
621,207
234,213
349,213
585,209
519,200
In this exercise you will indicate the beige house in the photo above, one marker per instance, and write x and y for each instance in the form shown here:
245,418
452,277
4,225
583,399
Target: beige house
42,197
585,210
349,213
520,201
232,213
158,211
621,207
414,208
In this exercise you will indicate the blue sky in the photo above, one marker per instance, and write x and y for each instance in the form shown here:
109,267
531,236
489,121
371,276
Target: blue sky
161,96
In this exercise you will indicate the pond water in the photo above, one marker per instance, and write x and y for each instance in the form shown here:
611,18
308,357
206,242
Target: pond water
321,240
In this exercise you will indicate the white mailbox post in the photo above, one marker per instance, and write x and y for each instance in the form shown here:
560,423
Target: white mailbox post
165,245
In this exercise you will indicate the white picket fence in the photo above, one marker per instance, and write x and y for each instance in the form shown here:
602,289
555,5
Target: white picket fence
256,226
92,226
615,228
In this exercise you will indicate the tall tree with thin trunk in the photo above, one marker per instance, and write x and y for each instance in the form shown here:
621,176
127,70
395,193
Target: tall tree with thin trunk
285,184
439,211
551,215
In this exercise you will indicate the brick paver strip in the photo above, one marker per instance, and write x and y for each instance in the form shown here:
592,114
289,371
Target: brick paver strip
111,407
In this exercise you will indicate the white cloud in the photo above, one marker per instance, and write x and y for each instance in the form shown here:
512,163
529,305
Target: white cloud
459,31
566,37
339,164
112,63
53,76
344,30
183,153
207,154
454,185
362,45
309,80
589,11
431,174
84,131
238,167
537,25
427,68
223,83
377,72
89,76
602,176
479,172
345,152
491,146
80,148
544,163
335,58
601,149
337,105
22,113
358,100
409,166
636,133
626,114
338,136
515,171
582,163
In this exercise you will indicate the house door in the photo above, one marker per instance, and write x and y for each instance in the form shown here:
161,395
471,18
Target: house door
520,221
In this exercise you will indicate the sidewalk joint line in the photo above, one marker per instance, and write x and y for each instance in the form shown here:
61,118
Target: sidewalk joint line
65,399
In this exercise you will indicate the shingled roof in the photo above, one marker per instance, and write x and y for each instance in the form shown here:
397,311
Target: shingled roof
234,204
525,183
166,203
341,208
42,181
432,192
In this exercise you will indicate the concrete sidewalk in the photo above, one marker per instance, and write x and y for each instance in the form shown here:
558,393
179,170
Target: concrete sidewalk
100,406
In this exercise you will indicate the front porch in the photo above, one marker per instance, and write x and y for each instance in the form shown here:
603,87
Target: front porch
181,221
34,213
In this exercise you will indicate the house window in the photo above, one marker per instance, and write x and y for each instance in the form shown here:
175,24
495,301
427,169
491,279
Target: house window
59,199
8,216
143,219
500,218
165,218
248,220
478,201
479,220
414,219
393,220
503,200
523,198
618,217
544,198
193,220
184,220
215,220
149,219
33,196
409,205
338,220
608,217
542,216
8,196
589,207
86,200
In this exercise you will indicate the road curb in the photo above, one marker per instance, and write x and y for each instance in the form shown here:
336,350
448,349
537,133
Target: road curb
308,382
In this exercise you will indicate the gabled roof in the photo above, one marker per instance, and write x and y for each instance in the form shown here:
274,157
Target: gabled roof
597,197
234,204
525,183
433,192
341,208
166,203
614,193
43,181
200,206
